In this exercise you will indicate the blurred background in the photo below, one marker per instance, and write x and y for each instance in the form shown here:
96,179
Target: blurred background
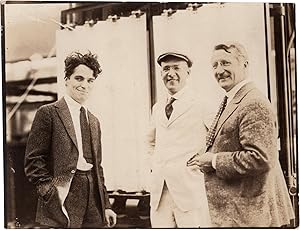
128,37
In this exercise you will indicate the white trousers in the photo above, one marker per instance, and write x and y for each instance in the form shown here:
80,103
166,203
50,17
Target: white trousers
168,215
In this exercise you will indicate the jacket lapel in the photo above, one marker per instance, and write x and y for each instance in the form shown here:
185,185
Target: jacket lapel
233,105
94,132
160,113
182,106
65,116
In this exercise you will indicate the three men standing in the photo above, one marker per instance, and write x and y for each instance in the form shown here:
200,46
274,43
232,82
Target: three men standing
242,184
63,154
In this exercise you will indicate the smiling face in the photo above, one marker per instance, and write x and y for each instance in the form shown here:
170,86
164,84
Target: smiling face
228,68
80,83
174,74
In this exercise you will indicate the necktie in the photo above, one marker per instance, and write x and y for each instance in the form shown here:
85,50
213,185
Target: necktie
212,131
169,107
86,136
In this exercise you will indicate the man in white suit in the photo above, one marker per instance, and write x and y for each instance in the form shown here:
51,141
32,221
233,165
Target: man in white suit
178,197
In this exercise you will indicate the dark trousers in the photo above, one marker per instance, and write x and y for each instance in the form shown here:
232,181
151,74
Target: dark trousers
83,201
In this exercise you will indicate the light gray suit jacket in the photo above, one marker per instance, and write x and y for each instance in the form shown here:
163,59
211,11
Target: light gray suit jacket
172,143
247,189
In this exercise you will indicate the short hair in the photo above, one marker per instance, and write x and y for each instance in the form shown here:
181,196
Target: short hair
235,48
76,58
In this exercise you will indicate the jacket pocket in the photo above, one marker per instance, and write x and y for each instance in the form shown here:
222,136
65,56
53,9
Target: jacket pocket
52,208
49,194
253,187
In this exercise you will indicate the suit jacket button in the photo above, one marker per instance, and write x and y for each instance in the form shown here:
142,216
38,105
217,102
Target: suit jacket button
73,171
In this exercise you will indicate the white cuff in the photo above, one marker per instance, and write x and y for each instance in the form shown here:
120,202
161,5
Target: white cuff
214,161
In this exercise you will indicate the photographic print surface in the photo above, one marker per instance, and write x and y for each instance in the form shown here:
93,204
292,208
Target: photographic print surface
128,38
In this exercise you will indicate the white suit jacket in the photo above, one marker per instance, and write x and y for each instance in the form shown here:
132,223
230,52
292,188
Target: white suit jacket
171,144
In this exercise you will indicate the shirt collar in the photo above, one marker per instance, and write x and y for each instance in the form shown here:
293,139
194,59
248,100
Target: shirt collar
178,94
74,105
231,93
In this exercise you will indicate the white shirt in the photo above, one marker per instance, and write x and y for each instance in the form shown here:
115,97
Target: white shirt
74,108
230,94
176,95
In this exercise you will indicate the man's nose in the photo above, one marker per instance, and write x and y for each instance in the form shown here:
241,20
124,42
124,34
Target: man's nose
171,72
219,69
84,84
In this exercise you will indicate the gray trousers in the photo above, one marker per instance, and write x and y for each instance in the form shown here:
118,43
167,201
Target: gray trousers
83,202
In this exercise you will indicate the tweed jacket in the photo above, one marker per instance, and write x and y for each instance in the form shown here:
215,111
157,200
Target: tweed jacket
51,159
171,144
247,189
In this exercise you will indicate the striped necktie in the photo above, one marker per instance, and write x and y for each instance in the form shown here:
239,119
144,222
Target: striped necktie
169,107
212,131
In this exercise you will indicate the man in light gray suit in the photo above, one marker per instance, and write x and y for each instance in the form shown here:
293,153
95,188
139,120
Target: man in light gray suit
178,197
244,181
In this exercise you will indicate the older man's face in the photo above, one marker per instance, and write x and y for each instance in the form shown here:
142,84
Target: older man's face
228,69
174,73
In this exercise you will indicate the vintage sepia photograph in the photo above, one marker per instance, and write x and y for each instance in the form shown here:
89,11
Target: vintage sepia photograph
149,114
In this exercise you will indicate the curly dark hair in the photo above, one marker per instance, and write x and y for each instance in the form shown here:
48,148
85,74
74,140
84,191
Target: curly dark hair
75,59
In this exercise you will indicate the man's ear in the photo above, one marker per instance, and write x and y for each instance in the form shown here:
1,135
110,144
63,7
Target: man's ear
246,63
